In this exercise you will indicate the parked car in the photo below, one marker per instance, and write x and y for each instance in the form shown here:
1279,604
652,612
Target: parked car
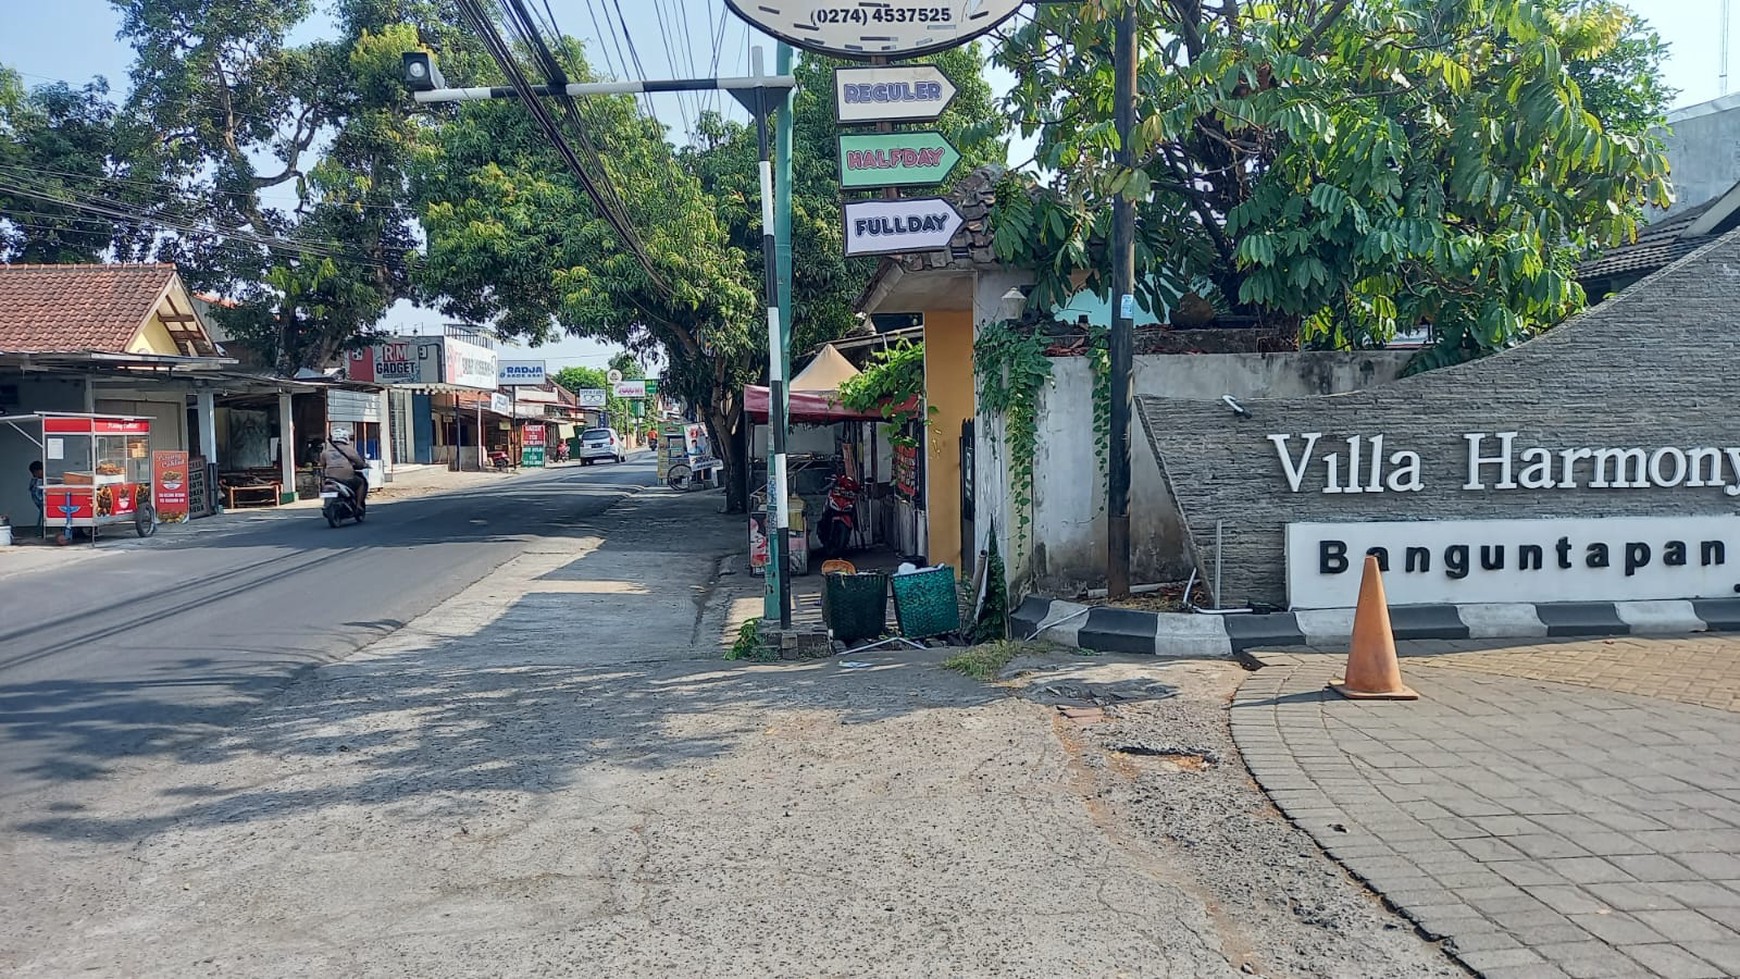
601,443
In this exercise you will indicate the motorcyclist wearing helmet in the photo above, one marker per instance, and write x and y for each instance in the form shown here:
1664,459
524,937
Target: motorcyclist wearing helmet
342,463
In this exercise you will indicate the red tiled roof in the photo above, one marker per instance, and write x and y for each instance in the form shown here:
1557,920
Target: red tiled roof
77,308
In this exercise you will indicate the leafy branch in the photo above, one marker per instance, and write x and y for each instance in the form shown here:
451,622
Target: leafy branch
1010,362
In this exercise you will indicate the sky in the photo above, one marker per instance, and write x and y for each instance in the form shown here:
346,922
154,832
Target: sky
74,40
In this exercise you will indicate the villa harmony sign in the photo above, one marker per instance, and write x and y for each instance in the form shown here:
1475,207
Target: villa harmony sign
1366,464
1576,557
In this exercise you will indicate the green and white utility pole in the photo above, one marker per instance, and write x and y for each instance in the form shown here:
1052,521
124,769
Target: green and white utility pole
777,602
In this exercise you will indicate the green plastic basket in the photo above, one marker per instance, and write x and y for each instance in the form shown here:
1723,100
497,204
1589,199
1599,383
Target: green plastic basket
925,603
855,606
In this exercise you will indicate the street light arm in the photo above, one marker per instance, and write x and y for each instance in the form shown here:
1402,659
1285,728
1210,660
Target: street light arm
580,89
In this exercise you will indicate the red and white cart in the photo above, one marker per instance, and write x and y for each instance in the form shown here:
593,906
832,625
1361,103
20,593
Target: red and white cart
96,470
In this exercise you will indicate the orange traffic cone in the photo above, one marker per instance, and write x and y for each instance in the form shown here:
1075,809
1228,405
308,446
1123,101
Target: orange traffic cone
1372,670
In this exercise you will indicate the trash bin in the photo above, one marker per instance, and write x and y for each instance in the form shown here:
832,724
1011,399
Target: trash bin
855,606
925,603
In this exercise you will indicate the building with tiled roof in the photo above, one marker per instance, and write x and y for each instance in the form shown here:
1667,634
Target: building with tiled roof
1659,244
99,309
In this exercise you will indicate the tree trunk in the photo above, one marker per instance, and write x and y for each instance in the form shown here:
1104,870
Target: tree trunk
728,432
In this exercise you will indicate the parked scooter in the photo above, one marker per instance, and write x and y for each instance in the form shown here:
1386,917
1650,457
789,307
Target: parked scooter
338,503
839,520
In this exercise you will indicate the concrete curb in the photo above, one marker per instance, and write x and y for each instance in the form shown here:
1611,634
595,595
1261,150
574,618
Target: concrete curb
1118,630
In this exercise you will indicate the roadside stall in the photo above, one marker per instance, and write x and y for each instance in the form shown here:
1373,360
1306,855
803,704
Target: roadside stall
96,470
686,459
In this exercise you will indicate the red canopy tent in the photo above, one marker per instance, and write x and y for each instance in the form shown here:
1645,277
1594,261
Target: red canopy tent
807,407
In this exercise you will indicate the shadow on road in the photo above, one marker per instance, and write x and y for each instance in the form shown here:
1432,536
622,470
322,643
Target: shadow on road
443,729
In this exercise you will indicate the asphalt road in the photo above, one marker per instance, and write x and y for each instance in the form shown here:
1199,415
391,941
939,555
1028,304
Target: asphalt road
151,649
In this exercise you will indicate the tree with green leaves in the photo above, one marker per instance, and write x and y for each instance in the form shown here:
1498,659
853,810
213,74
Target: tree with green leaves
580,378
268,170
1342,169
630,365
77,175
513,240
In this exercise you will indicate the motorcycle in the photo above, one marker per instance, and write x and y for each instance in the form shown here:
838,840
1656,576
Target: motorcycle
839,520
338,503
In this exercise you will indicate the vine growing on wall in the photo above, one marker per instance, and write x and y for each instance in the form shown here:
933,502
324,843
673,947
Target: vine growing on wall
892,383
1012,367
1099,356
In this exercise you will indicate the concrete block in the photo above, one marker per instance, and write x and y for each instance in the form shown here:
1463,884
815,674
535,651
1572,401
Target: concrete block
1663,618
1118,630
1273,629
1427,622
1486,621
1325,626
1581,619
1192,636
1718,614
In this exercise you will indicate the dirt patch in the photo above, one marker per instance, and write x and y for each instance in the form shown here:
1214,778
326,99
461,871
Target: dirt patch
1162,771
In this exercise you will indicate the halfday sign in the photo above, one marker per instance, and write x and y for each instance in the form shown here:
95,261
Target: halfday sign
885,227
895,159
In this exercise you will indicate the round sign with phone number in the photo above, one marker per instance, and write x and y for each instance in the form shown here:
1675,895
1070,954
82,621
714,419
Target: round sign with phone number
890,28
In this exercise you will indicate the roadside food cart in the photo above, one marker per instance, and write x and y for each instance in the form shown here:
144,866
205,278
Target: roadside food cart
685,459
96,469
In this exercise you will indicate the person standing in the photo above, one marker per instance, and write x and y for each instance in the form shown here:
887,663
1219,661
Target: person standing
39,496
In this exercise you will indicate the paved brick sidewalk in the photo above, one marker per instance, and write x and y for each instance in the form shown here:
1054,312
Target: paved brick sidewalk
1547,829
1701,670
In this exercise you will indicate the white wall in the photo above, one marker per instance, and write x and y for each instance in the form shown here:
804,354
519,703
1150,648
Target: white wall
1067,552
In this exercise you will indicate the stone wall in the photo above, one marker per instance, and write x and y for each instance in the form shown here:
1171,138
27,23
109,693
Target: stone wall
1069,520
1652,367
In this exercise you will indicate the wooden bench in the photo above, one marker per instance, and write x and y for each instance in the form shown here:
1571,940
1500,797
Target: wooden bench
231,491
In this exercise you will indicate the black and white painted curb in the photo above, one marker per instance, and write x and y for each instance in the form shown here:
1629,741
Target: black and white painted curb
1118,630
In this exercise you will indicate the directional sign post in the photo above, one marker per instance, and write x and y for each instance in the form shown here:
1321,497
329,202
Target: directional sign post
889,93
895,159
884,227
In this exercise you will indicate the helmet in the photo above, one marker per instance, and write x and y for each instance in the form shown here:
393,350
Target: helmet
340,436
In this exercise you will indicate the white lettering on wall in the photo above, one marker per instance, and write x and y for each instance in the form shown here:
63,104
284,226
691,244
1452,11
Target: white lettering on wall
1495,461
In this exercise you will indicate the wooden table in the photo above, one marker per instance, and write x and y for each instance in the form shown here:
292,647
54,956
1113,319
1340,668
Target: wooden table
253,489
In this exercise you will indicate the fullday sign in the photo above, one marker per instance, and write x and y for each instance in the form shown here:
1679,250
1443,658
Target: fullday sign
885,227
629,389
862,30
895,159
905,93
520,373
1581,559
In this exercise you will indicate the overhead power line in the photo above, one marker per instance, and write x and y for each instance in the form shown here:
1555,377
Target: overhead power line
122,212
603,197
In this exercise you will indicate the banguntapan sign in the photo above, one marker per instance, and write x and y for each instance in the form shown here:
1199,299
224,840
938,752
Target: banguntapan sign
1583,559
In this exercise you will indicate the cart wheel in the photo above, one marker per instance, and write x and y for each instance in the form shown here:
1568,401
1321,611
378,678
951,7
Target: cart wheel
145,520
679,478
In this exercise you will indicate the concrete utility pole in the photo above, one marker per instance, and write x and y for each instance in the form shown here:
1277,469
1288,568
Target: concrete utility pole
1122,339
778,601
762,95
